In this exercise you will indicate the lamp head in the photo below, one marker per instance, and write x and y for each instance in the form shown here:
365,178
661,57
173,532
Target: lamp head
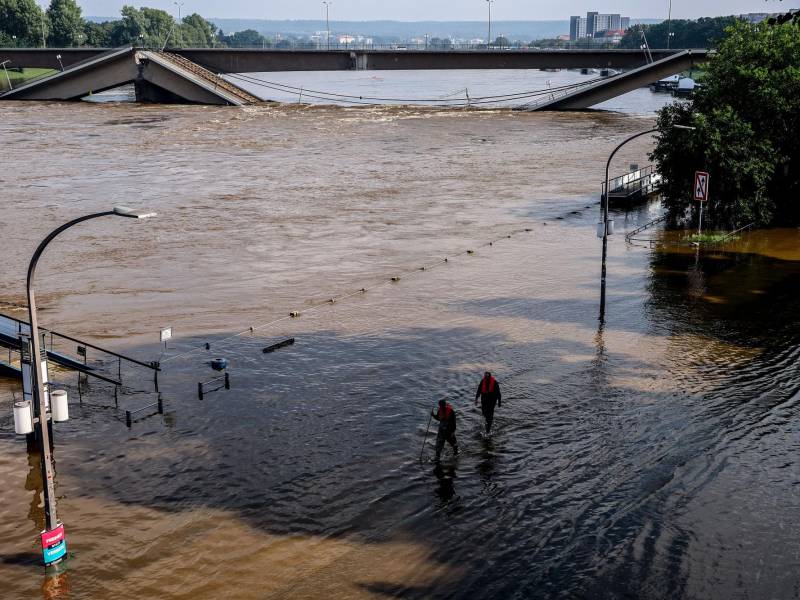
685,127
124,211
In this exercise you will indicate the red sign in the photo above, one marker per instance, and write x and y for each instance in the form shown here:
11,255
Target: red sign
52,537
701,186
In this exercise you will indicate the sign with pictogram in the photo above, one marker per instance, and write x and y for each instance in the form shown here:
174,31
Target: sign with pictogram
701,186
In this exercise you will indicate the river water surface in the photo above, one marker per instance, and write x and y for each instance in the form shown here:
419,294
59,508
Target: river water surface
654,457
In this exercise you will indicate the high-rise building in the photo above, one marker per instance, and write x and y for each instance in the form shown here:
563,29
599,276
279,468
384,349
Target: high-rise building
595,23
577,28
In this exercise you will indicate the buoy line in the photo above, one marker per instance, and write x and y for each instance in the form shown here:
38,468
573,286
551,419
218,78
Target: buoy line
294,314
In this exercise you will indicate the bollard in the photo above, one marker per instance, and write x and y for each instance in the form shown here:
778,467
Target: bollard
128,418
200,390
227,381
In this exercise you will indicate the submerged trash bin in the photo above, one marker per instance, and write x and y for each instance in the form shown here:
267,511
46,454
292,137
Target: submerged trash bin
23,417
59,406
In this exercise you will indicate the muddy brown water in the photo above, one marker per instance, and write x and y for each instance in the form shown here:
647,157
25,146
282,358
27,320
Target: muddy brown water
651,458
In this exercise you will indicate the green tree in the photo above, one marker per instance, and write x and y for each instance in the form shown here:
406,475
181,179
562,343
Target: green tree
196,32
702,33
746,116
249,38
98,35
148,27
23,19
66,23
501,42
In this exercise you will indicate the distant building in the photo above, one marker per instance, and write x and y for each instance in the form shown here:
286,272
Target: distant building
756,18
594,23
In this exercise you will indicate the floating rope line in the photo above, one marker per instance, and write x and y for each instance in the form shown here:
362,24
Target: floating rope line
373,100
335,299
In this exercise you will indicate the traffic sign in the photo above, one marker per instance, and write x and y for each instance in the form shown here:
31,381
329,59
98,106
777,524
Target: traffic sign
701,186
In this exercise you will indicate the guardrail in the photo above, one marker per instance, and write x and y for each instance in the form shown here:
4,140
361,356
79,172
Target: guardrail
630,236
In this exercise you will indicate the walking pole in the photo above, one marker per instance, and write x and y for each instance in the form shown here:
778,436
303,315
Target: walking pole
430,418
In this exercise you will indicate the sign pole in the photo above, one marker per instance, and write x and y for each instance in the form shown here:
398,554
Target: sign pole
700,224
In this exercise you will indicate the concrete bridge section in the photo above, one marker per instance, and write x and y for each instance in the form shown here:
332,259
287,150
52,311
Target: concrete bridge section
157,77
235,60
583,97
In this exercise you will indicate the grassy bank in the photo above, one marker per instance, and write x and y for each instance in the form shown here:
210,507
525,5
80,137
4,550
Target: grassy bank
18,77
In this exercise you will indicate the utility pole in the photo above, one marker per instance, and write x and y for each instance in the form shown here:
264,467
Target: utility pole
179,4
489,40
327,4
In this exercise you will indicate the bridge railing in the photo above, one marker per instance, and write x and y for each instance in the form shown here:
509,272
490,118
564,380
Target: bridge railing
548,97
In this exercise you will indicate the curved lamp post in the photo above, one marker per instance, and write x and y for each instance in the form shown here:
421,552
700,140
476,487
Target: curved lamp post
43,435
605,212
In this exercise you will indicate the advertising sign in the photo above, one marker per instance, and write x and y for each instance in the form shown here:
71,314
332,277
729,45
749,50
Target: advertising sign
54,544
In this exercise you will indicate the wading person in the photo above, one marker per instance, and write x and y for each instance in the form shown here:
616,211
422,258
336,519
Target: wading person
446,416
489,393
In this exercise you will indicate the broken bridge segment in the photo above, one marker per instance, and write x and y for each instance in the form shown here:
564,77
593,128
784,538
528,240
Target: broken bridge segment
583,96
157,77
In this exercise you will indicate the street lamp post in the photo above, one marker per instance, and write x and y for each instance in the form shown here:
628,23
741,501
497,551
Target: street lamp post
8,79
669,24
39,407
606,191
179,4
327,4
489,39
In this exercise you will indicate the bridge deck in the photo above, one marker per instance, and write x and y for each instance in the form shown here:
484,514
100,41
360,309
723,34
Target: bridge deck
582,97
157,77
252,60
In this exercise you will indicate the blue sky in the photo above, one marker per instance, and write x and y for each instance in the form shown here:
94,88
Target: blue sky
441,10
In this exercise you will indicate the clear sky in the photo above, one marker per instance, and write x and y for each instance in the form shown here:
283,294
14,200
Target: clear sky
441,10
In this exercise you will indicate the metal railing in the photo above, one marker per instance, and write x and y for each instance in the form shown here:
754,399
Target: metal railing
641,182
630,237
729,236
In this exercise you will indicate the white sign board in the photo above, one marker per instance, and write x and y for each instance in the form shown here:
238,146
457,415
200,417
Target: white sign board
166,334
701,186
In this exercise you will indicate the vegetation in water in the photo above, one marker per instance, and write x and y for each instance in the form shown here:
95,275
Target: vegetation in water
711,237
746,115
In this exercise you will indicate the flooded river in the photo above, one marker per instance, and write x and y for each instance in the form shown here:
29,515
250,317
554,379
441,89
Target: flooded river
654,457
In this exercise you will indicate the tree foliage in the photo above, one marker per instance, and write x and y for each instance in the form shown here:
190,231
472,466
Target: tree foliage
21,23
702,33
66,23
746,118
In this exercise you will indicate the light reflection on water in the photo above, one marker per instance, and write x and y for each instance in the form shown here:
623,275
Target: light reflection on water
633,461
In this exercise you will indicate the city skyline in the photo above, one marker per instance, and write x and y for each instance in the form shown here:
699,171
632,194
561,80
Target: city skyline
442,10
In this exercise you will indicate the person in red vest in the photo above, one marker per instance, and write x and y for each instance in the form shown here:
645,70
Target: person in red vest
446,415
489,393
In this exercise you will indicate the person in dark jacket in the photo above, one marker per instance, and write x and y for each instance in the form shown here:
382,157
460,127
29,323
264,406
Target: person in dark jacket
489,393
446,415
